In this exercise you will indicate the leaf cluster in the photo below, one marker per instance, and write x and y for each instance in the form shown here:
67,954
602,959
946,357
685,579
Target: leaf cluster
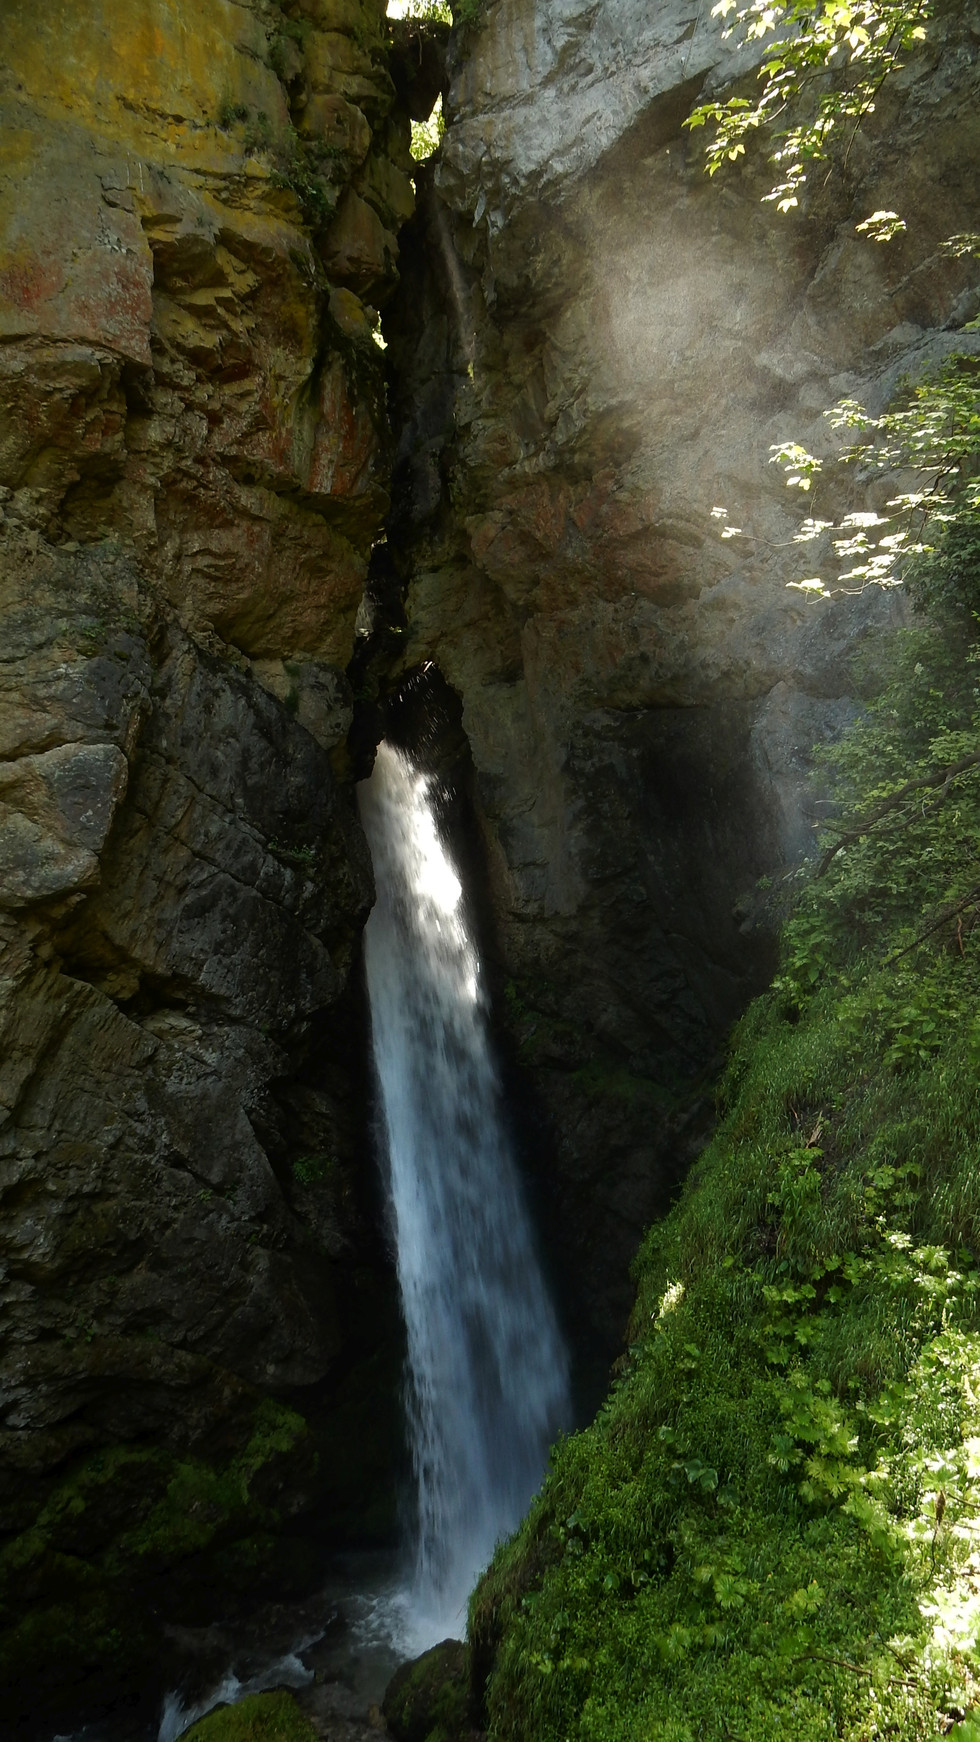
465,13
828,58
927,443
427,135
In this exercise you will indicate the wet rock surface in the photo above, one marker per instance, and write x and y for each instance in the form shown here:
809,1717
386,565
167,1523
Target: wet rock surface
198,223
595,351
431,1693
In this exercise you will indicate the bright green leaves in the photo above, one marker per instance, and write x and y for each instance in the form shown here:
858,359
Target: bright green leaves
925,447
437,10
882,226
804,1601
427,135
704,1475
801,467
830,60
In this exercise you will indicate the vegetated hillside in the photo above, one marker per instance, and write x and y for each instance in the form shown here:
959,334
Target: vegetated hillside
772,1529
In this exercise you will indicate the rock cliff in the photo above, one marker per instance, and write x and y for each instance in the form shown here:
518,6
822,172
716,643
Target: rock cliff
198,220
590,352
596,348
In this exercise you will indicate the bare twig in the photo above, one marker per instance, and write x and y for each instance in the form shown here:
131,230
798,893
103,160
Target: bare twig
948,913
855,1668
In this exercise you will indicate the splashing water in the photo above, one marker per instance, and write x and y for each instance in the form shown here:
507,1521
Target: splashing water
282,1672
487,1369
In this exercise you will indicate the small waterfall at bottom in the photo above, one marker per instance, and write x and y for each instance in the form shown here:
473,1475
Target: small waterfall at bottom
487,1368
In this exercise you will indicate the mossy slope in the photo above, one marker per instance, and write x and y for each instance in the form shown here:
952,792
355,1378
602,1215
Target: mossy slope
772,1529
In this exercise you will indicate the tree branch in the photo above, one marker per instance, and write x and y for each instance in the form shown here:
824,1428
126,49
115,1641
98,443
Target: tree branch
855,1668
938,778
949,912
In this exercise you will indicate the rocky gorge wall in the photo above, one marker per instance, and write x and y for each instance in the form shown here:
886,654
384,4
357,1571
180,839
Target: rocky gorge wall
198,218
590,349
595,349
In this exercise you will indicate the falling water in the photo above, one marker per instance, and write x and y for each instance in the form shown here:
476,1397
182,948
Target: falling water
487,1369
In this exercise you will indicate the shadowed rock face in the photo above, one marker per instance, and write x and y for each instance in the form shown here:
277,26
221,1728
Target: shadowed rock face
597,349
177,919
198,220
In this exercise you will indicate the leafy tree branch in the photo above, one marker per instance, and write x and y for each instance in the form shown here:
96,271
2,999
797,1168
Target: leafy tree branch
837,53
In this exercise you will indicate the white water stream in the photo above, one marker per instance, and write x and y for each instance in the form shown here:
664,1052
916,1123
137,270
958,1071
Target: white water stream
487,1368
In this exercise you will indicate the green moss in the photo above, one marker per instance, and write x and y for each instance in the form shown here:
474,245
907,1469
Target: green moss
769,1530
89,1626
276,1431
289,30
469,14
541,1038
608,1082
202,1503
259,1718
72,1585
427,1700
316,1170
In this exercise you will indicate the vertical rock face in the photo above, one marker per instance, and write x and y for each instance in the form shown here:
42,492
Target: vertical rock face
198,217
600,348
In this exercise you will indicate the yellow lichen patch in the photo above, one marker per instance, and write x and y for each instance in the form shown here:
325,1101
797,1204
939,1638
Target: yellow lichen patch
155,77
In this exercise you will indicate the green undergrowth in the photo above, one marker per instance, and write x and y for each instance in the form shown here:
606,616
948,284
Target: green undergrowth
772,1529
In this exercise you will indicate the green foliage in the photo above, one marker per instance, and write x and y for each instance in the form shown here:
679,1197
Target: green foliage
928,438
230,112
289,35
72,1585
469,14
771,1528
271,1717
258,135
312,170
427,135
428,1699
465,13
825,65
314,1170
302,857
947,576
828,59
438,10
890,922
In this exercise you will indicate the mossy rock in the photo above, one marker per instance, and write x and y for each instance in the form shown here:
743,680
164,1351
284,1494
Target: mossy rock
131,1532
271,1717
428,1700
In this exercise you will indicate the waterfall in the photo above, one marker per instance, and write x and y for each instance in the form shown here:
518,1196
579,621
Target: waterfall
487,1369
